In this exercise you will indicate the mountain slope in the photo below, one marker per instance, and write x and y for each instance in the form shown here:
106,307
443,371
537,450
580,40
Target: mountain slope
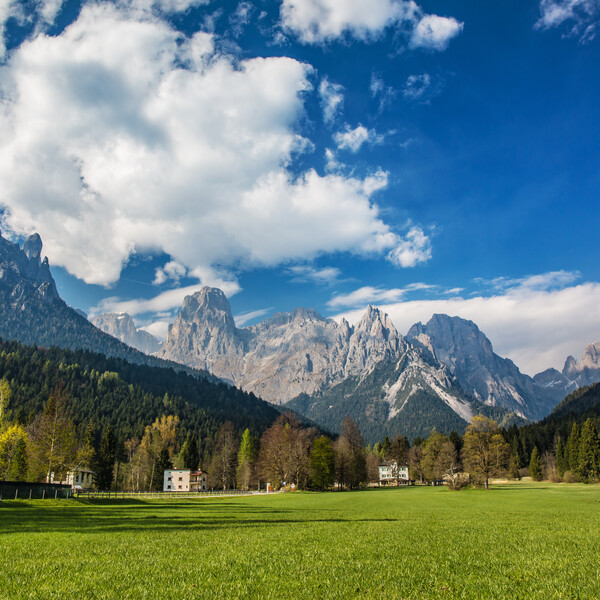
32,312
489,378
122,327
128,396
323,369
282,357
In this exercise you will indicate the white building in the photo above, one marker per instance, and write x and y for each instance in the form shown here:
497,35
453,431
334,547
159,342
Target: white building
389,472
78,479
184,480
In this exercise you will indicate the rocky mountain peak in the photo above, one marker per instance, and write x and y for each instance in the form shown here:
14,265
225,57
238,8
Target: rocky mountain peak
586,371
591,356
22,270
377,324
32,248
467,352
570,369
122,327
210,306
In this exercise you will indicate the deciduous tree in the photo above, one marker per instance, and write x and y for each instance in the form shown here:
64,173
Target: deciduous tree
54,445
13,454
223,463
485,453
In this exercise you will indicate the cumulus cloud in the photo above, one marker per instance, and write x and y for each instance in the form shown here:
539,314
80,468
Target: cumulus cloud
537,328
120,136
320,21
434,33
414,249
580,17
353,139
172,271
332,99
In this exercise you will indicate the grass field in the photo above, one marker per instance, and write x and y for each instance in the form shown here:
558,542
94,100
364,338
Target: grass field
514,541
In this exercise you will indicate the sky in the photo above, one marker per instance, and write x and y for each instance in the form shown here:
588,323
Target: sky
418,156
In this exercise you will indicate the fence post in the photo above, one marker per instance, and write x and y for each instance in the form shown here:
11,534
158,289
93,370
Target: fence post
16,492
30,493
44,494
55,493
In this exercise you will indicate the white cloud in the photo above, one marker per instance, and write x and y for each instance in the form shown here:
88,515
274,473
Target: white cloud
380,90
172,271
353,139
308,273
434,33
317,21
332,99
580,17
164,302
120,136
375,295
241,17
414,249
416,86
320,21
243,318
536,328
158,328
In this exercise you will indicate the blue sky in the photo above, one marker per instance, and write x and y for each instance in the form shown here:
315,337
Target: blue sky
424,157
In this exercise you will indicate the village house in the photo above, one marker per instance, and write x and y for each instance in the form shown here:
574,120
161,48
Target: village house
390,473
185,480
78,479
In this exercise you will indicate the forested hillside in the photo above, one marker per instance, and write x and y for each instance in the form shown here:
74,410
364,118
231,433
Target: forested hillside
575,409
127,396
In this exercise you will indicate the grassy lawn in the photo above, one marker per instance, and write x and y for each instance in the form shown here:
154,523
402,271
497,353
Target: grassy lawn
515,541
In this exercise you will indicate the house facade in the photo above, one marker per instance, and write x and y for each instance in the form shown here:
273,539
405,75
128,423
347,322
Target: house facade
185,480
389,473
80,479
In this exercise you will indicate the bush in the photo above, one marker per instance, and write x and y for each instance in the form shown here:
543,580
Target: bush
571,477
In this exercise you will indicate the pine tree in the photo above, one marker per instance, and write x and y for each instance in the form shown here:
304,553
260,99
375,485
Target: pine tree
163,463
246,459
562,462
4,397
535,465
322,463
106,460
572,453
189,455
589,452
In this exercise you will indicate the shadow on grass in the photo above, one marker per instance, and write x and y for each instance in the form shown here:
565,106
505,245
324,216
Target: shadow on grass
99,517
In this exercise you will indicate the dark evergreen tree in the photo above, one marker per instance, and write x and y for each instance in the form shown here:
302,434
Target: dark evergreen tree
456,439
588,462
190,456
322,463
562,462
163,463
573,449
535,465
105,462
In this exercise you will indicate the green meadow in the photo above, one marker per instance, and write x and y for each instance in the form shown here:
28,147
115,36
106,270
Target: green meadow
514,541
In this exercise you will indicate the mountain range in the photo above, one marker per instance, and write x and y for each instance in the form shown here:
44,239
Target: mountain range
438,375
33,313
